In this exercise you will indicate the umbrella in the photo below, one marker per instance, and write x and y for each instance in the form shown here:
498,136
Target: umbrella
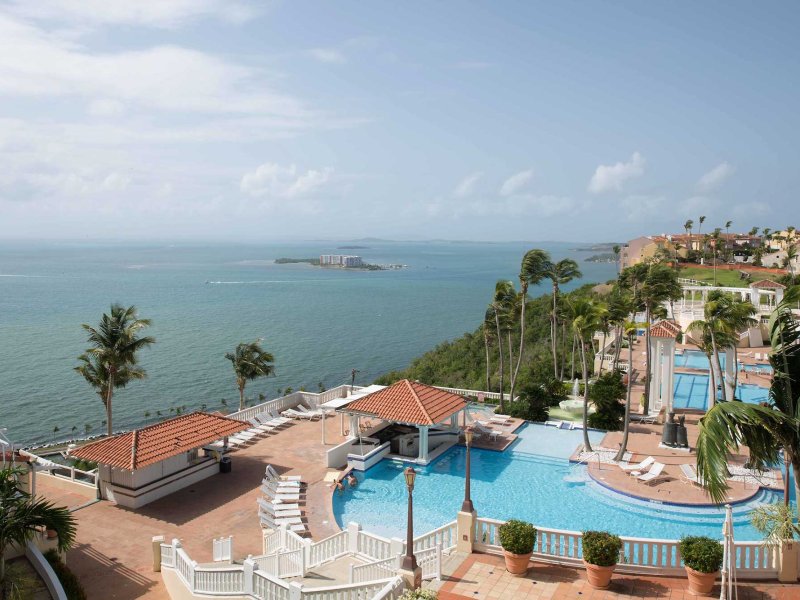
728,589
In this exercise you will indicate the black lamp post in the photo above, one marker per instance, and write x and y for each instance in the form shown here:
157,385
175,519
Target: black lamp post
466,506
409,560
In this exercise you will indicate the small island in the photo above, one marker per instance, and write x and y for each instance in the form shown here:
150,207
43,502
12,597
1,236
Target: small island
605,257
352,247
337,261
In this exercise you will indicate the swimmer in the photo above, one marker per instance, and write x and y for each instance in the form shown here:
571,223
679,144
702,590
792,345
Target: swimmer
338,485
352,481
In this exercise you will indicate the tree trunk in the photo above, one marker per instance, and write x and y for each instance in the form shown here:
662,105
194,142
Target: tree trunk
716,365
521,335
241,397
647,359
587,446
554,330
488,368
713,383
564,349
626,427
735,371
500,353
511,377
602,353
109,425
617,345
574,347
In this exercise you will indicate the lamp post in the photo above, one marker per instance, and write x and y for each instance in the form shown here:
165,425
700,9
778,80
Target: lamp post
466,506
409,560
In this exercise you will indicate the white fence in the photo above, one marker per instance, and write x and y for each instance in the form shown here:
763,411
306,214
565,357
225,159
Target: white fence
472,393
291,401
639,555
222,549
375,570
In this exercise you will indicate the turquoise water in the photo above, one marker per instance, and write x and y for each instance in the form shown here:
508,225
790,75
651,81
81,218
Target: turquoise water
691,391
694,359
764,368
204,299
527,484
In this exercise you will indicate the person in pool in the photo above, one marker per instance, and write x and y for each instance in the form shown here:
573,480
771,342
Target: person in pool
352,481
338,486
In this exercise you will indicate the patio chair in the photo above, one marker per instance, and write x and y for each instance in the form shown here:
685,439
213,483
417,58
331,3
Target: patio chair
242,438
272,524
277,419
556,424
640,466
278,496
654,474
261,427
296,414
500,419
271,471
276,512
290,487
306,411
689,475
276,522
578,425
483,428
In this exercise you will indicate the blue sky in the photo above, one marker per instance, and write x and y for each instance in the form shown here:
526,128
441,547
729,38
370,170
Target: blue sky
226,119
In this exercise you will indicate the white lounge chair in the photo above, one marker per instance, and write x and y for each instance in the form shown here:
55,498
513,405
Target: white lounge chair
276,511
274,416
556,424
280,484
500,419
482,428
640,466
261,428
578,425
272,524
277,496
275,523
268,421
271,471
653,474
689,475
307,411
242,438
296,414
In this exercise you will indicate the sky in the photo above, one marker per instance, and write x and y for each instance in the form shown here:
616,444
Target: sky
259,121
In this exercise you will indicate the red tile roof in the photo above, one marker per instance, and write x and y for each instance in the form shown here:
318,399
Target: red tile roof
149,445
766,284
665,329
409,402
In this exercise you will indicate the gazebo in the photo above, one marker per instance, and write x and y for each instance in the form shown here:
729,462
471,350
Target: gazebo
663,336
409,403
140,466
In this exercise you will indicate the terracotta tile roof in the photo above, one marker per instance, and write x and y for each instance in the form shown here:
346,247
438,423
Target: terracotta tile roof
409,402
665,329
766,284
149,445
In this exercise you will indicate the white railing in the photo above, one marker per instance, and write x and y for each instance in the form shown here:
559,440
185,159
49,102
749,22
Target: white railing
430,561
373,546
392,590
219,580
638,555
87,478
184,566
470,393
222,549
267,563
267,587
272,541
45,571
360,591
292,563
291,401
374,570
292,541
328,549
167,555
445,537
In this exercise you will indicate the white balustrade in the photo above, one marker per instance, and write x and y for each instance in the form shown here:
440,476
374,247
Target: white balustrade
292,541
272,541
229,580
755,560
267,587
392,590
222,549
430,561
328,549
373,546
167,556
267,563
292,563
362,591
445,537
378,569
184,566
470,393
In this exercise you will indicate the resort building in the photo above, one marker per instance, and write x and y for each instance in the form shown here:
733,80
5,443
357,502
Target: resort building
143,465
647,247
340,260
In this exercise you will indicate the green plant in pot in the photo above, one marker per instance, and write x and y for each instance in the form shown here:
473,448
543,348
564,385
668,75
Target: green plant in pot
702,557
517,539
779,526
600,556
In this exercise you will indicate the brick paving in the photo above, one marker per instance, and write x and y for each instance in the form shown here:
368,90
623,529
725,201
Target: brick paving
483,577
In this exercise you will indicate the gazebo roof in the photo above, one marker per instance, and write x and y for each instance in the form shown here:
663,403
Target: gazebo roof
665,329
766,284
152,444
409,402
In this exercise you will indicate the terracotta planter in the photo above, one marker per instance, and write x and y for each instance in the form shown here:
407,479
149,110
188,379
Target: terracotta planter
517,564
599,577
701,584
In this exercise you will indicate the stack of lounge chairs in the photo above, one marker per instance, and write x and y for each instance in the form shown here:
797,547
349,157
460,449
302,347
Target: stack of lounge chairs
279,503
261,426
301,412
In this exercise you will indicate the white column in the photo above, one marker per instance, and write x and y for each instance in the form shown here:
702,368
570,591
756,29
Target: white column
353,427
654,371
655,400
670,378
423,444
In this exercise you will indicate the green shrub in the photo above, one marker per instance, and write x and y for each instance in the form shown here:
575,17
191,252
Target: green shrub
601,548
533,404
419,594
606,394
69,581
701,554
517,537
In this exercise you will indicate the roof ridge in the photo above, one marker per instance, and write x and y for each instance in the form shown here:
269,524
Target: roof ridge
134,445
420,404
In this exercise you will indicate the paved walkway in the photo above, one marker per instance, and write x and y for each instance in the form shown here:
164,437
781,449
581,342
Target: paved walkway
483,577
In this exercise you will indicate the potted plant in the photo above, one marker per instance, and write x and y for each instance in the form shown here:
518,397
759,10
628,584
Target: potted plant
600,555
702,558
419,594
517,539
778,524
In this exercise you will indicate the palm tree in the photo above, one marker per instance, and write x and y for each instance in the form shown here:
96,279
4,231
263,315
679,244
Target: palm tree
604,322
753,232
630,335
501,305
111,361
791,255
250,361
702,220
616,249
687,227
488,325
531,272
765,430
559,273
727,230
585,322
22,516
620,308
735,316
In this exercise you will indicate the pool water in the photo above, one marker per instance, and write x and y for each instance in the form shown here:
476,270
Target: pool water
764,368
534,481
691,391
694,359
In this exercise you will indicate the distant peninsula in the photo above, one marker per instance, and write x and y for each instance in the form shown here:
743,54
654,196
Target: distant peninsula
352,247
605,257
360,266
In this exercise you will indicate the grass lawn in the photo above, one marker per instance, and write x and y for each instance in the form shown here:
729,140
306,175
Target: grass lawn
724,277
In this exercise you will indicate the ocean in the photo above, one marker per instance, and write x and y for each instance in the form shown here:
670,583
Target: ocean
204,299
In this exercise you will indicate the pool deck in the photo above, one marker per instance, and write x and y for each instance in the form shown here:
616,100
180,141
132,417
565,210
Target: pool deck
643,441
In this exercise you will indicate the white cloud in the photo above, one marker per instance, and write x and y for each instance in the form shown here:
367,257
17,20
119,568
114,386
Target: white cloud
152,13
639,207
327,55
699,205
467,185
105,107
516,183
72,184
277,181
715,177
611,178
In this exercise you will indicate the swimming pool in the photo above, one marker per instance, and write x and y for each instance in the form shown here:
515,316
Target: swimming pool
525,482
691,391
764,368
694,359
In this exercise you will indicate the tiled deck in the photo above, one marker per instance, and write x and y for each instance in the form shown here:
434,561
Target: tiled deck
483,577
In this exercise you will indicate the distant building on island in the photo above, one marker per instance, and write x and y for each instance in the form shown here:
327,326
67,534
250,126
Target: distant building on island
340,260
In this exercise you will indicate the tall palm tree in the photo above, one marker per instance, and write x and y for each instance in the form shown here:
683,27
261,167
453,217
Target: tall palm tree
250,361
727,230
502,303
616,249
111,361
791,255
531,272
559,273
687,227
753,232
630,334
22,516
604,322
702,220
585,321
620,308
736,317
765,430
488,325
